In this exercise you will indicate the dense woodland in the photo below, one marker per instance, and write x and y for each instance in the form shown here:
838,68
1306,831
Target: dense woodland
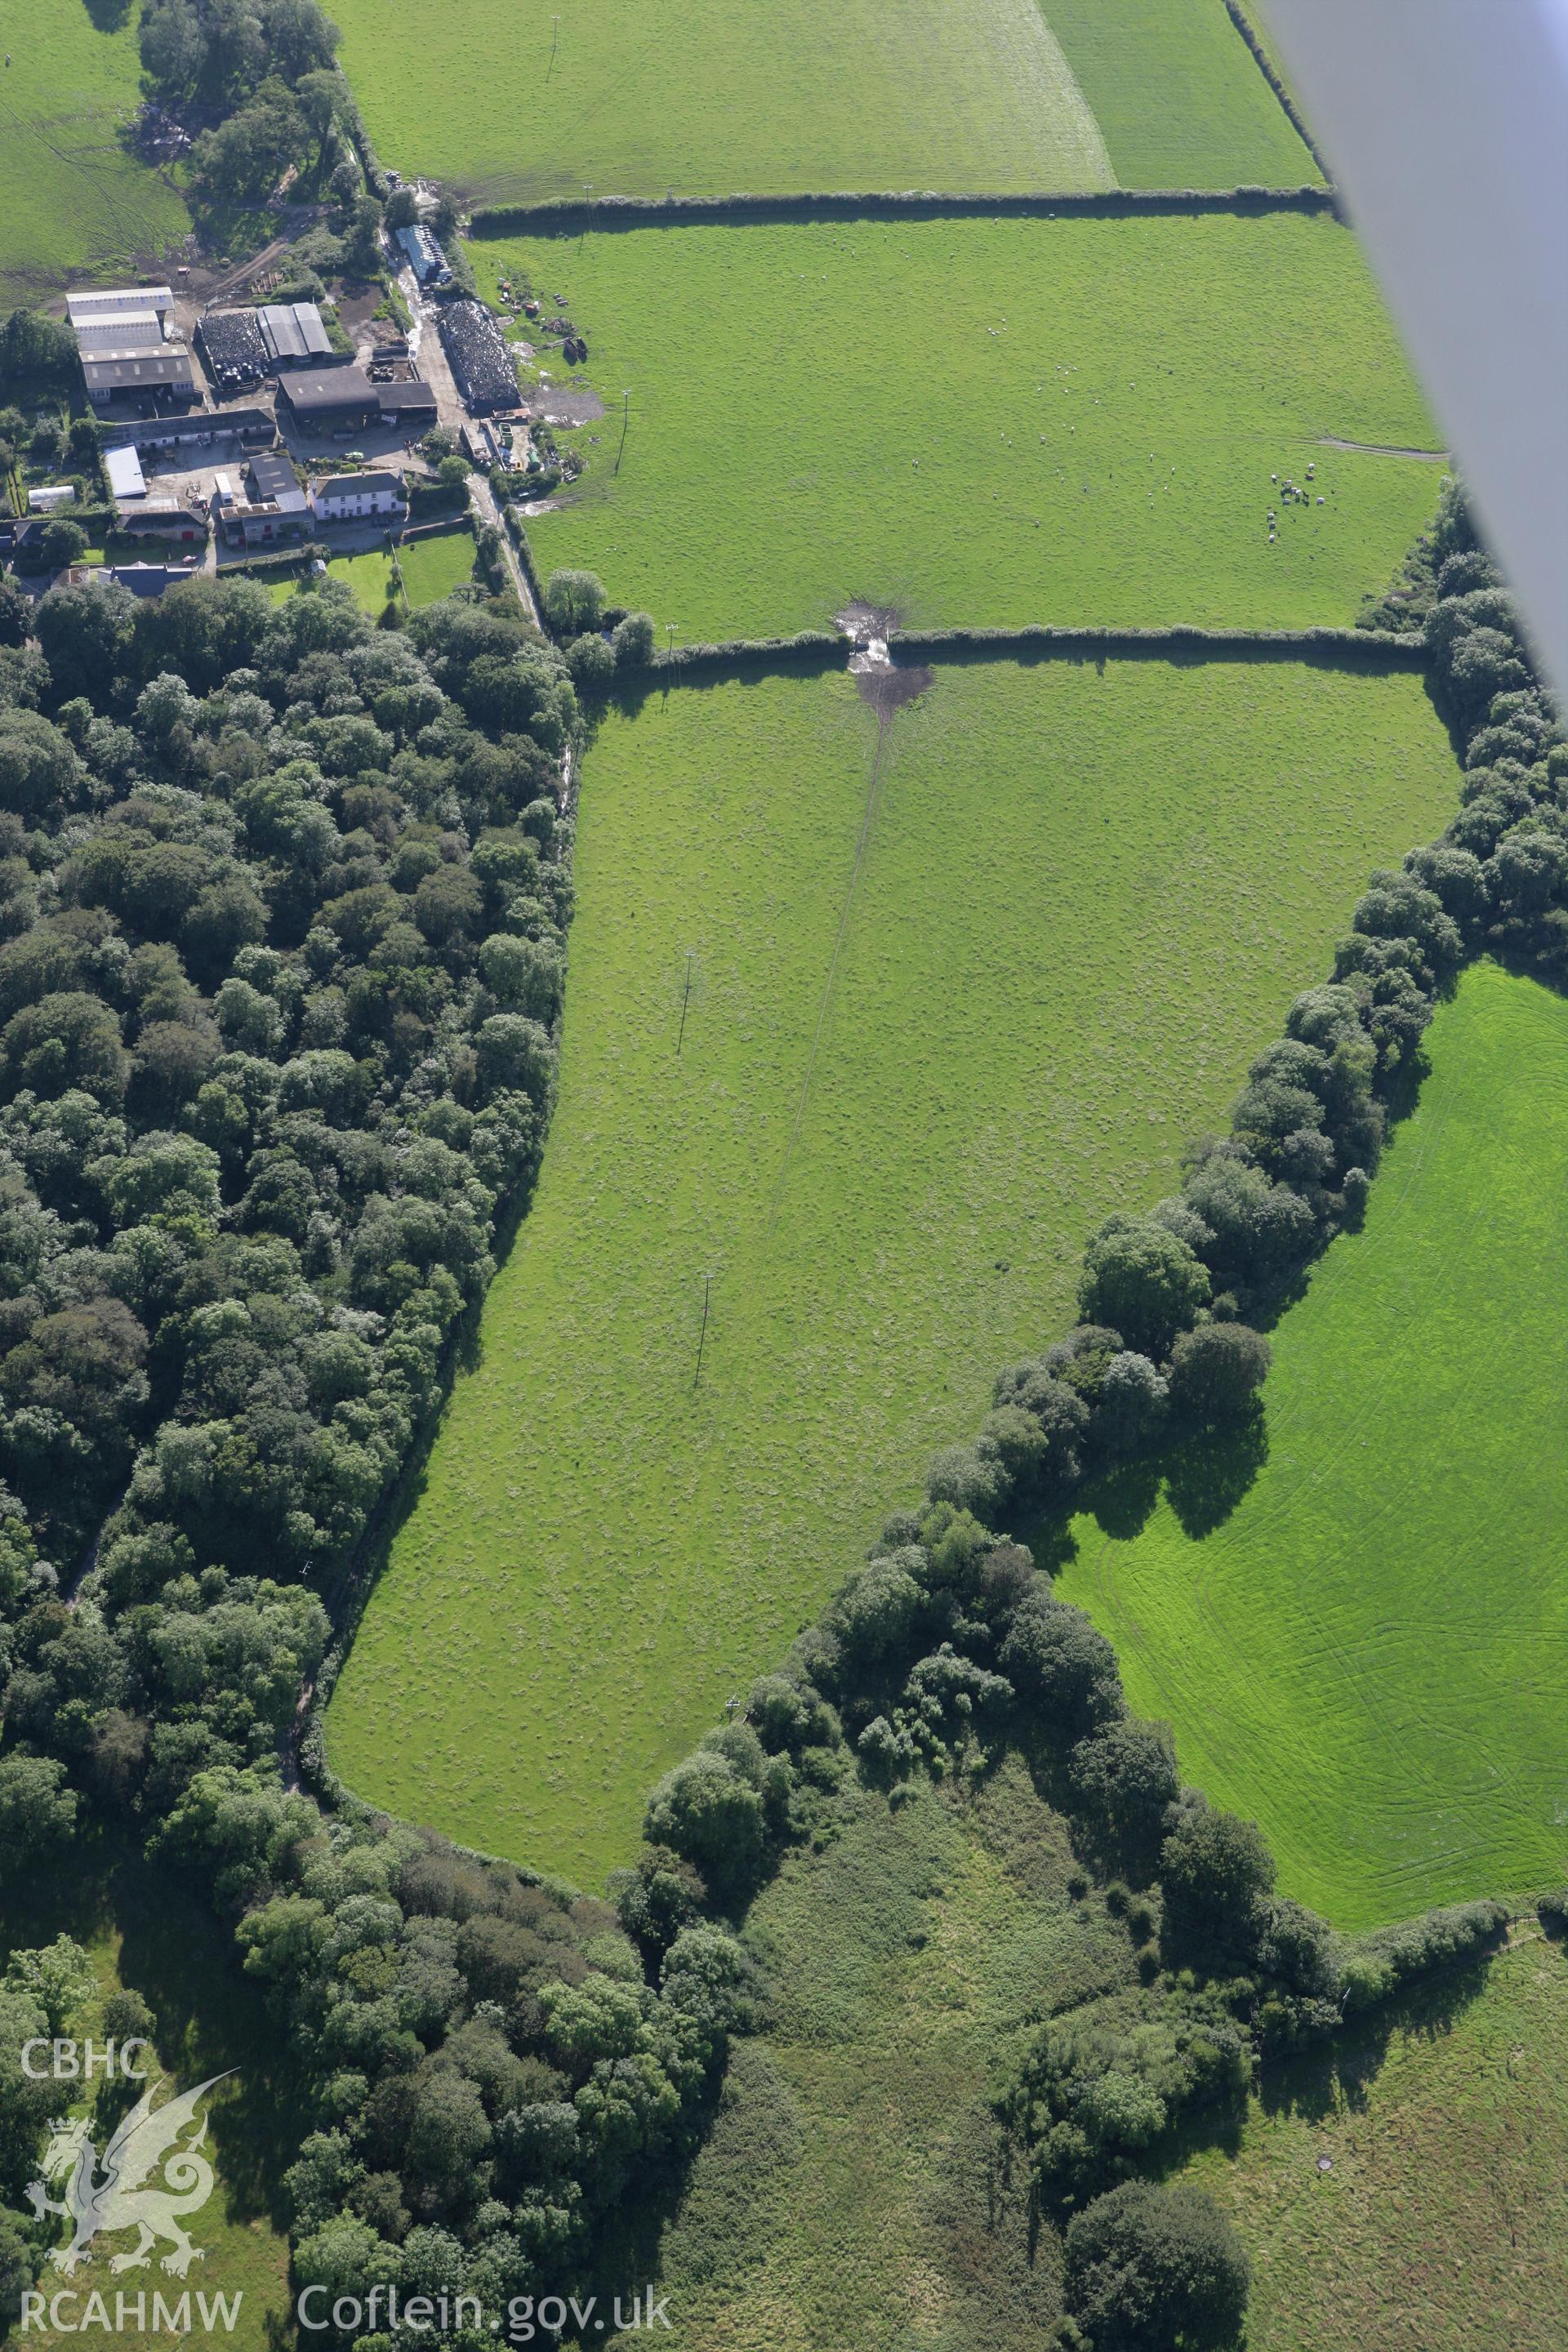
284,900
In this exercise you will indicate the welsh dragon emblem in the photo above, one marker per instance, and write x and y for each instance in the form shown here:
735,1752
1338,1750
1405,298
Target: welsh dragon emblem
119,2191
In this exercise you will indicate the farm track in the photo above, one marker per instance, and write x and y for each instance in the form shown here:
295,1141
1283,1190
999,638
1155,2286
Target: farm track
244,271
486,510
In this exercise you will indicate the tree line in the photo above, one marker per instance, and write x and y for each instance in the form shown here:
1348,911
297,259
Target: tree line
283,901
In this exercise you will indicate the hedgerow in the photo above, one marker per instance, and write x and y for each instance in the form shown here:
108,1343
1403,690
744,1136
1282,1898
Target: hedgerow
571,216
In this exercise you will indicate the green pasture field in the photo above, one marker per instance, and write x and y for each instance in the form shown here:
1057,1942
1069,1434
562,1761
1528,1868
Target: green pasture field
849,2191
943,1012
140,1929
431,569
1442,2219
1178,96
978,422
802,95
73,201
1367,1654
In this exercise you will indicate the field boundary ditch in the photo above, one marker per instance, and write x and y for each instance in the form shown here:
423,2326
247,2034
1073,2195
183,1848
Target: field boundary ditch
572,215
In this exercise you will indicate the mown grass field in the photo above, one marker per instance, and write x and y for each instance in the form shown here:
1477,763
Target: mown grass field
144,1930
1179,100
1368,1654
1441,2222
799,95
72,200
850,2191
983,422
431,569
935,1030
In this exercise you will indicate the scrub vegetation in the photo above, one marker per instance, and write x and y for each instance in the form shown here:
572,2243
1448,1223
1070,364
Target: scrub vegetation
981,422
1410,2187
943,1011
855,2177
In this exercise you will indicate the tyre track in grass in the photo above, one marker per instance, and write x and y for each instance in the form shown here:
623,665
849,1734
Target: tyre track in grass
881,685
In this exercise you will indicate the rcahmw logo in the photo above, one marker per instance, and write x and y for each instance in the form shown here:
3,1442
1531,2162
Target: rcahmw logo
149,2179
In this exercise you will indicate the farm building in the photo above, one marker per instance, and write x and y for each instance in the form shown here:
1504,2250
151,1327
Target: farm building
350,497
271,475
330,400
163,375
167,519
271,506
143,579
292,333
130,347
426,257
480,357
125,330
487,445
231,346
202,427
126,479
409,404
120,302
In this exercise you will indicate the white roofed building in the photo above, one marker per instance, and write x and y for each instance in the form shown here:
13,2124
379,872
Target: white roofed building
124,468
348,497
131,348
124,330
119,301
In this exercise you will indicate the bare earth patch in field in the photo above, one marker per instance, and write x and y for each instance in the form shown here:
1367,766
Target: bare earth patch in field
890,687
556,404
